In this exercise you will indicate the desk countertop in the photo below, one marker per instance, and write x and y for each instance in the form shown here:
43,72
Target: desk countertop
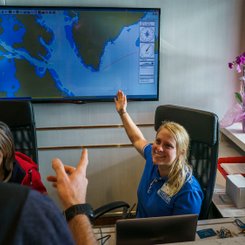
215,224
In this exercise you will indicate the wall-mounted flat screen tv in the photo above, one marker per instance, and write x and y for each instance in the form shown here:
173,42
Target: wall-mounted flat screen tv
78,53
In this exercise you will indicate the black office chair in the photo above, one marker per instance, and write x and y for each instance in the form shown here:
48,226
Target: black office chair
19,116
203,128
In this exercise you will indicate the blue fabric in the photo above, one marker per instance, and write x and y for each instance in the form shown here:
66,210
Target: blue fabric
153,202
41,222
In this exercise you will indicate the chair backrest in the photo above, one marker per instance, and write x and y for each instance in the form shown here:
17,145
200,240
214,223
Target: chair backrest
19,116
203,129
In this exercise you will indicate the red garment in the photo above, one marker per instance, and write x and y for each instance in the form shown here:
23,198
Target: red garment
32,176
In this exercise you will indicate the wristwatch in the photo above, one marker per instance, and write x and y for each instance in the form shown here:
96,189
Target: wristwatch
84,208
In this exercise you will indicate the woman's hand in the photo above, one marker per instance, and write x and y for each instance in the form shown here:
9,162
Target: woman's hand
121,102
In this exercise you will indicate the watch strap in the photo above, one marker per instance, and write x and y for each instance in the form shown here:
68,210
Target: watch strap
74,210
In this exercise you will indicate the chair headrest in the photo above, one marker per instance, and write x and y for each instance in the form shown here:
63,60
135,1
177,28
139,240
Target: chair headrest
202,126
16,113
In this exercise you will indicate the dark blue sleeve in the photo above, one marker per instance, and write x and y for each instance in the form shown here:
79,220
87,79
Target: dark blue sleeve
41,222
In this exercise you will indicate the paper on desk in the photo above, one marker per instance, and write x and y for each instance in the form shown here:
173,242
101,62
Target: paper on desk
233,168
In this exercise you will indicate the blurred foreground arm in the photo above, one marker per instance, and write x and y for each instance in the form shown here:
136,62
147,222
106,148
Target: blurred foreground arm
71,184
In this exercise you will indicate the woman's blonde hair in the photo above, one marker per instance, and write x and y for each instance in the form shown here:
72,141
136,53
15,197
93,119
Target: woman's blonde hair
6,147
180,169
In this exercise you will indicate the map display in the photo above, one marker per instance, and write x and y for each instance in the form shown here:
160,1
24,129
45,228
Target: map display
78,53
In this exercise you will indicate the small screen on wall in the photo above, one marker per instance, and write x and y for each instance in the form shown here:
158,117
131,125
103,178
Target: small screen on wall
78,54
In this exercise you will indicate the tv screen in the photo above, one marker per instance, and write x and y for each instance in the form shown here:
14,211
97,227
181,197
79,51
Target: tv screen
78,53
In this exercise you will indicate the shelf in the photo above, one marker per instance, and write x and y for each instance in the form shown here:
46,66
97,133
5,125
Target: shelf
234,133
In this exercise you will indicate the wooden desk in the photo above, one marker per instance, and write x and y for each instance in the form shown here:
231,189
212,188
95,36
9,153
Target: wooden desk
225,205
215,224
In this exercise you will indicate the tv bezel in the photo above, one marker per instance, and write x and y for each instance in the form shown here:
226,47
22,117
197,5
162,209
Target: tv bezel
87,99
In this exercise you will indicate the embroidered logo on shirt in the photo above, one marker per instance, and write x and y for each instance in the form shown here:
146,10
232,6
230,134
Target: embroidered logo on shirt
162,193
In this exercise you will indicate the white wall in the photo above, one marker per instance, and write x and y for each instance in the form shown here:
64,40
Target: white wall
198,39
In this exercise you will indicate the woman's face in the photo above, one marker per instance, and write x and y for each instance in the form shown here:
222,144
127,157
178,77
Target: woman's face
164,149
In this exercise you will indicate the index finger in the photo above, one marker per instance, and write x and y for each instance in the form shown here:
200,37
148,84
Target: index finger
83,162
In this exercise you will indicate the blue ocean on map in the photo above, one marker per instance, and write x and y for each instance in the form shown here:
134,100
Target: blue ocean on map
117,58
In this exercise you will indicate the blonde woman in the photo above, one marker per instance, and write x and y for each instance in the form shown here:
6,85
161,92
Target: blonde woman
167,186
